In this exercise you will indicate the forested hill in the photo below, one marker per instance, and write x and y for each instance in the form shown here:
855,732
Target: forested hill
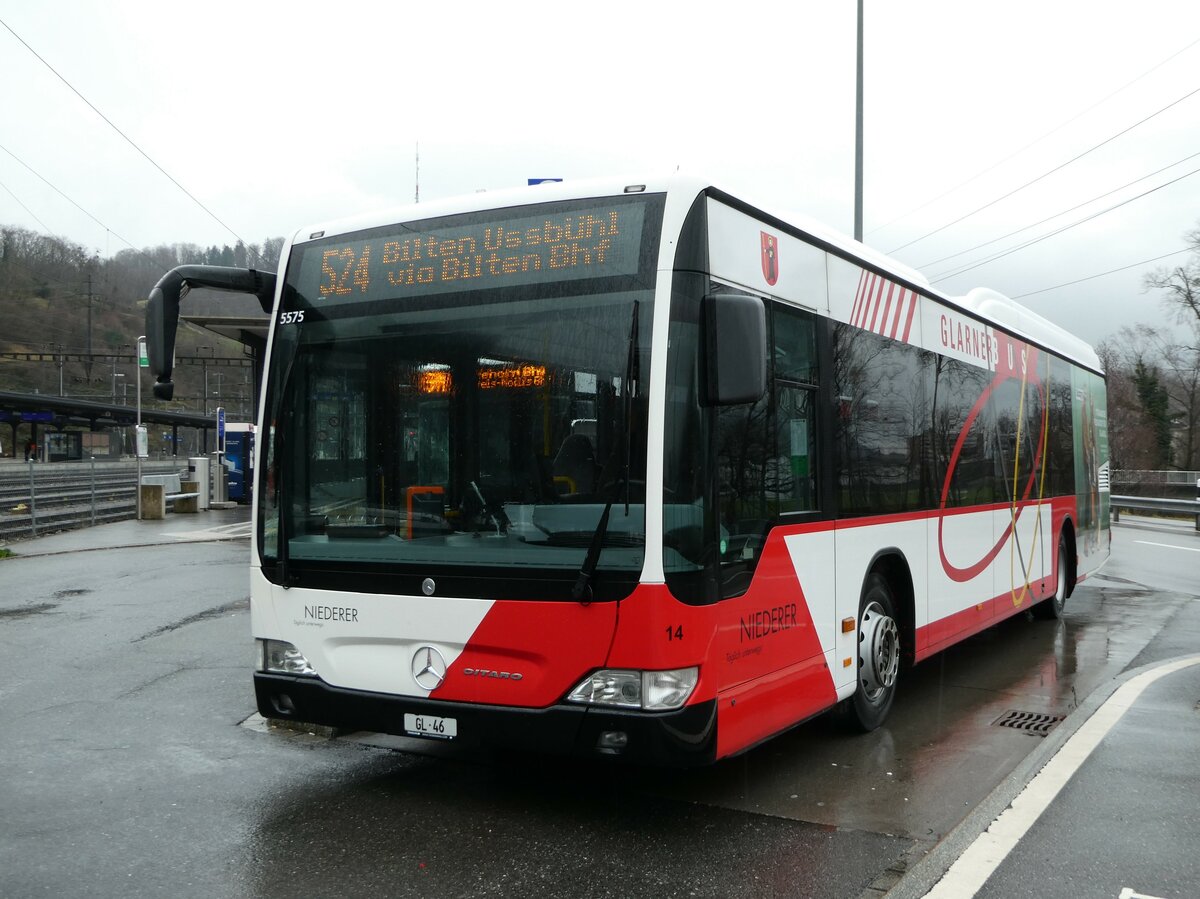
56,297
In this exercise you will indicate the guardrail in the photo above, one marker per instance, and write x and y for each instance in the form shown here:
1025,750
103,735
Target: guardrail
1176,507
40,498
1134,478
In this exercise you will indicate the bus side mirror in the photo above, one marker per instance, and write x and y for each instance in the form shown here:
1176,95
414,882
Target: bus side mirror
162,318
735,342
162,310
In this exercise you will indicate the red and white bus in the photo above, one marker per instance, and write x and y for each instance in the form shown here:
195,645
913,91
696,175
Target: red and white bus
641,471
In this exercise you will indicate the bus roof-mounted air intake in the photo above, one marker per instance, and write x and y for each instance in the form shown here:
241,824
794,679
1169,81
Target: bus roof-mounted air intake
162,311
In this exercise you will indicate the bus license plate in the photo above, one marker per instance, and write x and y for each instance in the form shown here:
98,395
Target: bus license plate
429,726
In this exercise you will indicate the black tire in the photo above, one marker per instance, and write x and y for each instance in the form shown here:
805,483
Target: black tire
1051,608
879,654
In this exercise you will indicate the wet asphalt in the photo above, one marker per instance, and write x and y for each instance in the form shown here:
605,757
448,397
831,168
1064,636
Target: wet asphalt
132,765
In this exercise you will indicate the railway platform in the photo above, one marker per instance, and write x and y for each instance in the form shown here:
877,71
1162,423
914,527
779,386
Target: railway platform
204,527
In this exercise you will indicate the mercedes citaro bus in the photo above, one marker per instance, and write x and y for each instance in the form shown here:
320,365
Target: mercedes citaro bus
640,470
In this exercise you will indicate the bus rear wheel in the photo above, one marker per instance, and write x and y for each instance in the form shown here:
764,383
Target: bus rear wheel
1052,607
878,655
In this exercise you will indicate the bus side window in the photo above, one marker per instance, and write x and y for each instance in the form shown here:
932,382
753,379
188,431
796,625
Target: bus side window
955,389
795,401
766,451
884,418
794,475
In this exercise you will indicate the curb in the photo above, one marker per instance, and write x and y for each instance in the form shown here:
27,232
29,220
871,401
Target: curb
926,873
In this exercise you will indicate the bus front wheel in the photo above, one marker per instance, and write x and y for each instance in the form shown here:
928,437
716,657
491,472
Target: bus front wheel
878,655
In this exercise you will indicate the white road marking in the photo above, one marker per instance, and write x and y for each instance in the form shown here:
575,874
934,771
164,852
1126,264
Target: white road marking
973,868
1128,893
1168,546
236,531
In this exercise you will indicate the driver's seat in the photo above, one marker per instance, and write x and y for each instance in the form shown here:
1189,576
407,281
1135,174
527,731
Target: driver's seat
574,467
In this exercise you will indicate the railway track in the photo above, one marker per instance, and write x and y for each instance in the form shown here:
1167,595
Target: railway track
41,498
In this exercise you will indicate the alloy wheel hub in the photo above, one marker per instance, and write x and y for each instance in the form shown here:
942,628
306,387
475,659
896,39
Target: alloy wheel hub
878,650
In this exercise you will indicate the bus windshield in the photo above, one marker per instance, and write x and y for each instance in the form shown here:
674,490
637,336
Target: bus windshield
463,433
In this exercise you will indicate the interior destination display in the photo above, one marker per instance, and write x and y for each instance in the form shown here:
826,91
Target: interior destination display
417,259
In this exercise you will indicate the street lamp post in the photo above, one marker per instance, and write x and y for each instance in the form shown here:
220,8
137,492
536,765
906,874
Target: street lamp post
858,134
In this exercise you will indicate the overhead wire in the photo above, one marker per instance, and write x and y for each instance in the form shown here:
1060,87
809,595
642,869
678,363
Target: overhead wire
17,200
1057,214
1044,175
946,275
62,194
123,135
140,251
1033,143
1112,271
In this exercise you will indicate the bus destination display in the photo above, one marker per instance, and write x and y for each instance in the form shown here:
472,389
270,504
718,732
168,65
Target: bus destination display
598,241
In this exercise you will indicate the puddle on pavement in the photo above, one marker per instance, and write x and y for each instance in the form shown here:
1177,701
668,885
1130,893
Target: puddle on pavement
939,754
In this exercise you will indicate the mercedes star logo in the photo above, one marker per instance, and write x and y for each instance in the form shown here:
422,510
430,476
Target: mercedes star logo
428,668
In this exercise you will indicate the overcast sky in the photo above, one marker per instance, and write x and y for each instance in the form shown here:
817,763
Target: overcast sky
275,115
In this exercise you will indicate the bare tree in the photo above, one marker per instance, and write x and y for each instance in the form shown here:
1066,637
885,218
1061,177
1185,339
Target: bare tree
1178,353
1182,288
1130,436
1153,385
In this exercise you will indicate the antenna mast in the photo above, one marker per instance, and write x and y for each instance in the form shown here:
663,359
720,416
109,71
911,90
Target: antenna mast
417,175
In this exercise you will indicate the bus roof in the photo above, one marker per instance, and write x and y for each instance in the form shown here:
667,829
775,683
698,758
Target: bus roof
1015,318
983,303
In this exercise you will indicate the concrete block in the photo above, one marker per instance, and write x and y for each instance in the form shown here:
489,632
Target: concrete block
154,506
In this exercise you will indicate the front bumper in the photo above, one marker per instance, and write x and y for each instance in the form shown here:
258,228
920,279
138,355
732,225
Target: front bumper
684,738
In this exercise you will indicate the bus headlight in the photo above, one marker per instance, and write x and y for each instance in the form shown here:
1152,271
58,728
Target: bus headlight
651,691
278,657
663,690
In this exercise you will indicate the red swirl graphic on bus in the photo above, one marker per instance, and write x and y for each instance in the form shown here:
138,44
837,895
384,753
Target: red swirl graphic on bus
1029,378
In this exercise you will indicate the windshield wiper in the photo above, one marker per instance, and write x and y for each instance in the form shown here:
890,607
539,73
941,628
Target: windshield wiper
582,591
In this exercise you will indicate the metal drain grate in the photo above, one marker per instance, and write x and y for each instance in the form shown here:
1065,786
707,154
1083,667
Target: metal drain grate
1032,723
